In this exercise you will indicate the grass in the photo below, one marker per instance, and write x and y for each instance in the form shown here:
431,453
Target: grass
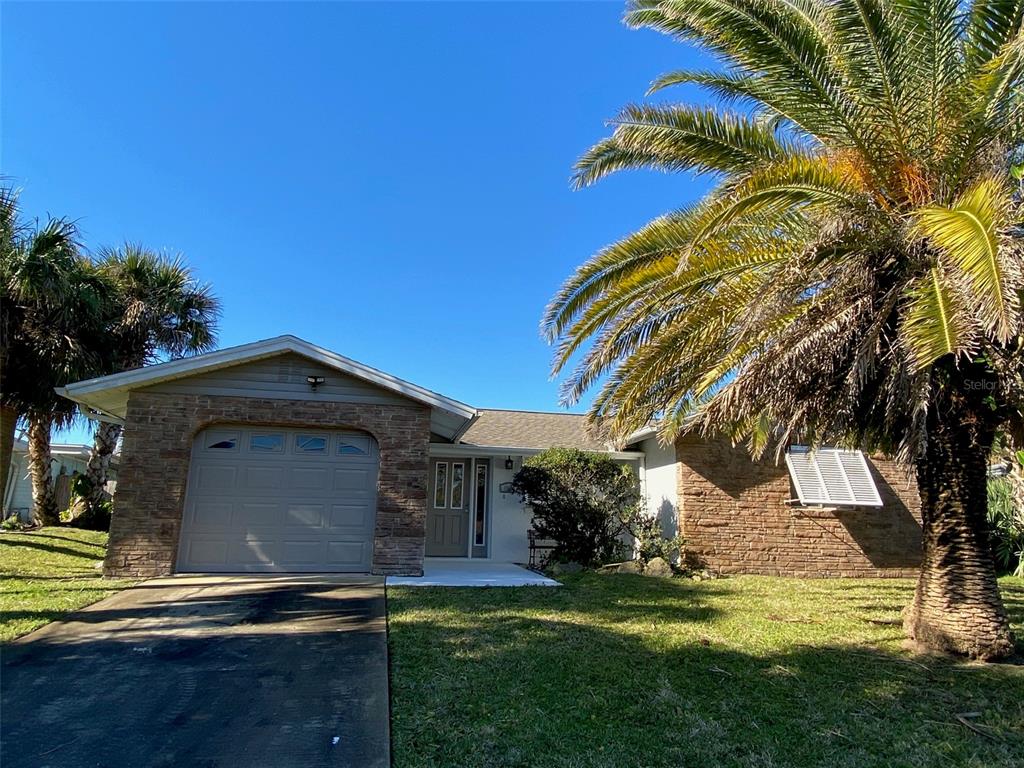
47,573
623,670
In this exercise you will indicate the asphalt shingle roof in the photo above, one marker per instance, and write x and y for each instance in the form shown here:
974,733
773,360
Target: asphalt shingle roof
530,429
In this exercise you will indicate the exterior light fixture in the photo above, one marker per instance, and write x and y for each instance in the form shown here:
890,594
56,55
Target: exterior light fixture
509,464
314,381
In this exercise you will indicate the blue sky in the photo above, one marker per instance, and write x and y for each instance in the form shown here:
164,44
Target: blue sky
388,180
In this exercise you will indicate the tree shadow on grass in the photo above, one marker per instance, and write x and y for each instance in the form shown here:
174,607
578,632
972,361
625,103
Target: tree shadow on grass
583,676
56,548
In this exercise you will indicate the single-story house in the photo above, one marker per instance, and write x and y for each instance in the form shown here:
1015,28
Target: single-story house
282,456
67,459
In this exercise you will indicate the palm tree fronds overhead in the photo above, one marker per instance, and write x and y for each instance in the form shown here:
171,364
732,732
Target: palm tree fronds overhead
864,177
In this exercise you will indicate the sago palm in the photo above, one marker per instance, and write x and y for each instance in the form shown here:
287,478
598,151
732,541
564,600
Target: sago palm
158,310
854,277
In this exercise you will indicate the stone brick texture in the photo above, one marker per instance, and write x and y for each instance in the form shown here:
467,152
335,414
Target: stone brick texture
736,517
157,447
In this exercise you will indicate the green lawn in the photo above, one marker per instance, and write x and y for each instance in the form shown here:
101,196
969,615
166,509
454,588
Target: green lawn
627,671
48,572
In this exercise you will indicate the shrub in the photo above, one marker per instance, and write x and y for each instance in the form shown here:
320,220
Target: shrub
650,541
79,515
581,501
11,523
1006,521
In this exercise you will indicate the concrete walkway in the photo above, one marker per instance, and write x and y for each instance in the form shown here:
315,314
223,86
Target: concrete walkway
205,671
441,572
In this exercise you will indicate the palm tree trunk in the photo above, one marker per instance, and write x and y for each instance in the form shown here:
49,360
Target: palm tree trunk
103,444
8,424
957,606
44,500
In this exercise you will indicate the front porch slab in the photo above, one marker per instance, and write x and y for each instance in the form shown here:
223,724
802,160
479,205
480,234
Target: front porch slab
442,572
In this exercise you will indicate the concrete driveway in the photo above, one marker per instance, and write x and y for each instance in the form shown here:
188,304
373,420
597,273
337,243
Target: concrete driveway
205,671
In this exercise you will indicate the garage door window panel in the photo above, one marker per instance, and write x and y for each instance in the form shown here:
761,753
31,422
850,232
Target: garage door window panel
353,446
310,444
221,441
266,443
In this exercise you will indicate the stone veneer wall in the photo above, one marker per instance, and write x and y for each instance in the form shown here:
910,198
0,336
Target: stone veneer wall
157,448
734,515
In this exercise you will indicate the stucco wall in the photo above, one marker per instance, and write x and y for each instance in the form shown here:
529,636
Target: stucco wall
510,520
658,473
735,518
157,448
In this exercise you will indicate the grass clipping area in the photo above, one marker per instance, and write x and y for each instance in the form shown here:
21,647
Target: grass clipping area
47,573
622,670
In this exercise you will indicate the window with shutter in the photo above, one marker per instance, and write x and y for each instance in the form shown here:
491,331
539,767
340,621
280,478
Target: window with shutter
832,477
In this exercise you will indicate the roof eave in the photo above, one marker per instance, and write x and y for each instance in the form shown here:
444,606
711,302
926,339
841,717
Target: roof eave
83,392
524,451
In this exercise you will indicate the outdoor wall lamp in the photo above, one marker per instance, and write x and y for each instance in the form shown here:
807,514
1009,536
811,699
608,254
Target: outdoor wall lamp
509,464
314,381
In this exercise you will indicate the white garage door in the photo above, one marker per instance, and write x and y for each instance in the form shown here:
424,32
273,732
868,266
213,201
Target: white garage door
278,500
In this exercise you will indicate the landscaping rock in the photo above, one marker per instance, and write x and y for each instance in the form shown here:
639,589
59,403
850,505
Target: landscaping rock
630,566
563,568
658,566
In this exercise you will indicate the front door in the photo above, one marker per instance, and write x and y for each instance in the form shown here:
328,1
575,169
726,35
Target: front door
448,508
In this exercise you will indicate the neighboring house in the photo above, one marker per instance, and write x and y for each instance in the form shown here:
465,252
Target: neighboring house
283,456
67,459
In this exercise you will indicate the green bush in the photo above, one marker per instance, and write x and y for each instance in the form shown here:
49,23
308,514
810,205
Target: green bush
651,542
79,515
11,523
582,501
1006,522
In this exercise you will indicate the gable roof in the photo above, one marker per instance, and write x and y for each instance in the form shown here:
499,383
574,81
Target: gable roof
109,394
532,430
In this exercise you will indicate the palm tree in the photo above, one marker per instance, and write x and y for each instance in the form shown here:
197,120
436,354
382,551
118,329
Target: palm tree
855,274
11,233
51,301
158,310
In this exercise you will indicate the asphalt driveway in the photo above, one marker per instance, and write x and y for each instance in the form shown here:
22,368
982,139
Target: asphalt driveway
203,672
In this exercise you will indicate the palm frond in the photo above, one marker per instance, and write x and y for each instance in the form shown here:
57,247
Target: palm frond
673,138
936,324
990,25
966,235
862,232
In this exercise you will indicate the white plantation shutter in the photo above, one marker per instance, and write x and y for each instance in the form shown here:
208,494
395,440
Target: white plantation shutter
832,477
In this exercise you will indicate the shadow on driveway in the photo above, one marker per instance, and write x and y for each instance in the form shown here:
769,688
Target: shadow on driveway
205,671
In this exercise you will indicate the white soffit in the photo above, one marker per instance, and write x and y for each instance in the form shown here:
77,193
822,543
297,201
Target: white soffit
832,477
